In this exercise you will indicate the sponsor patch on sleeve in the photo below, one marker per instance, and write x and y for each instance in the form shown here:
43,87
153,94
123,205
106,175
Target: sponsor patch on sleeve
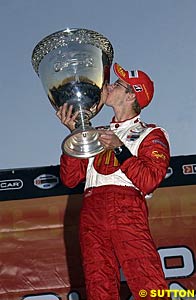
158,155
156,141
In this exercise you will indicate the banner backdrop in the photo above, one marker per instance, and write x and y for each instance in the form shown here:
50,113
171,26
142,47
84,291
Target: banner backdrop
39,248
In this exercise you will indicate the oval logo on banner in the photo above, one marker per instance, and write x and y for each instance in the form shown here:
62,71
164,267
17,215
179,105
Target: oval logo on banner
11,184
46,181
169,172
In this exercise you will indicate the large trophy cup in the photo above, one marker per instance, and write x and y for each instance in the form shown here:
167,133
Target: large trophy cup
73,65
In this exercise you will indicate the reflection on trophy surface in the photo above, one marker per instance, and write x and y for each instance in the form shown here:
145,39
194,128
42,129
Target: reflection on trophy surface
73,65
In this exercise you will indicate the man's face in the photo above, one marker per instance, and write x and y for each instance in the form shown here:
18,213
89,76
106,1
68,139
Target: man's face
117,93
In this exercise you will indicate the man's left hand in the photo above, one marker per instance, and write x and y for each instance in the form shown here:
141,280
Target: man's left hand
109,139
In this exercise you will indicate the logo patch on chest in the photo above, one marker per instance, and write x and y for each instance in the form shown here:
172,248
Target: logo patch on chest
132,137
106,163
135,133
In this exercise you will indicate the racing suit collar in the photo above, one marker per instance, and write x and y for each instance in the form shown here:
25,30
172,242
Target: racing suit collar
126,123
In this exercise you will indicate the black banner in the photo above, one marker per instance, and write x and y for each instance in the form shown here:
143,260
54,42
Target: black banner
45,181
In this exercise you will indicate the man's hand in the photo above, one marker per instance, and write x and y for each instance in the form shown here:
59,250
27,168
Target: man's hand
66,116
109,139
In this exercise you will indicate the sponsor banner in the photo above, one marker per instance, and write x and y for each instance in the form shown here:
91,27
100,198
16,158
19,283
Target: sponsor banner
33,183
45,181
182,171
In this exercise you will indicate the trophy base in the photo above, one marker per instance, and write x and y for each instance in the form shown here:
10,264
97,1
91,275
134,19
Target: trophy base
82,143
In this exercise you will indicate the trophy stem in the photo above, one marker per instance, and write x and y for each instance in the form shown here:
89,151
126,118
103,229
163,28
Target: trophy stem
83,119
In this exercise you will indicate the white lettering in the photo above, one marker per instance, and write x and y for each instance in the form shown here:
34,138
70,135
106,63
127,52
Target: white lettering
184,254
11,184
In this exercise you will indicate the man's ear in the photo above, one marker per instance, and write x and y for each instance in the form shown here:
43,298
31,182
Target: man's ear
131,97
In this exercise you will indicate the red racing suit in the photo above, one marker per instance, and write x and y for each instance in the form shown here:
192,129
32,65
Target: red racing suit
114,230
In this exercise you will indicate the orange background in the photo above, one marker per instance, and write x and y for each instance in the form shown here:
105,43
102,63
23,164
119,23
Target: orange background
39,250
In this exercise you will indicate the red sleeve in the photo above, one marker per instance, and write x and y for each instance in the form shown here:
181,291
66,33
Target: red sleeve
149,168
72,170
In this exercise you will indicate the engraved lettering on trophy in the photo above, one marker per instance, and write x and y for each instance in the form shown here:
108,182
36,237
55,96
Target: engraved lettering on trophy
80,60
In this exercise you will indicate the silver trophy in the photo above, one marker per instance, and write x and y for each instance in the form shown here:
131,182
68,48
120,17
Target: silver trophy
73,65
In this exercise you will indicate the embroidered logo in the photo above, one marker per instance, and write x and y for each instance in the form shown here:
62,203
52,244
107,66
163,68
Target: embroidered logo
160,142
106,163
158,155
120,70
133,74
138,87
132,137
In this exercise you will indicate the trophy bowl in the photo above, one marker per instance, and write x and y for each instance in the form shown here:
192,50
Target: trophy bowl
73,65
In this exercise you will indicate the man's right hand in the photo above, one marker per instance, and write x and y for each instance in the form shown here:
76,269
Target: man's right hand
66,116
